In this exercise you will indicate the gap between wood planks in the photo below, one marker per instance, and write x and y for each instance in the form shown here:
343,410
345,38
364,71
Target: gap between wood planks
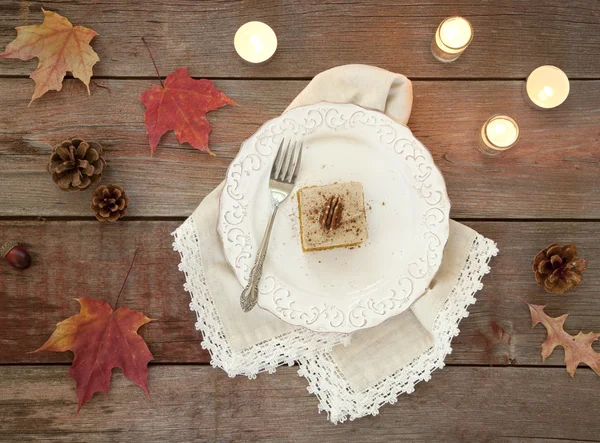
414,79
154,218
455,365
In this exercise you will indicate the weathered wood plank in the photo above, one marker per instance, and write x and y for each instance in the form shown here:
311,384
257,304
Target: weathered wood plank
199,403
510,39
74,259
554,172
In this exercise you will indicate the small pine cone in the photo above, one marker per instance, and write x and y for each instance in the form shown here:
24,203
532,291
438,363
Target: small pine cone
76,165
558,269
109,203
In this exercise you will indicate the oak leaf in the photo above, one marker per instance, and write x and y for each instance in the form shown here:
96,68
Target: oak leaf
102,339
181,104
578,348
60,47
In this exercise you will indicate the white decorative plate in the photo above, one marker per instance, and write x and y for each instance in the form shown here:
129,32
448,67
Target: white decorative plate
339,290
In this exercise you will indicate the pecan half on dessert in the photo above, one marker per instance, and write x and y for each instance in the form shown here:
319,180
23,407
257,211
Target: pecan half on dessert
331,214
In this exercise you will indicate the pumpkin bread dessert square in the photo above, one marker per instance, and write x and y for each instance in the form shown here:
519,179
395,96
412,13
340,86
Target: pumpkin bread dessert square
332,216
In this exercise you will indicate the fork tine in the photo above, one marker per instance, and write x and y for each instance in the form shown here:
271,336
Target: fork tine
286,164
278,159
287,174
293,160
297,164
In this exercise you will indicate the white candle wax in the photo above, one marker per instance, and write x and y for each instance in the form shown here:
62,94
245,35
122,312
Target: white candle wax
502,132
255,42
451,38
547,87
498,134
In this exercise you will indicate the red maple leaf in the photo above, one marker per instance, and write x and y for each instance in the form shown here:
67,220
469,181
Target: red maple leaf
181,104
102,339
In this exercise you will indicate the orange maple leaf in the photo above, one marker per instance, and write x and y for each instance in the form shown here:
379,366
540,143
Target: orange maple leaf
578,348
181,104
60,47
102,339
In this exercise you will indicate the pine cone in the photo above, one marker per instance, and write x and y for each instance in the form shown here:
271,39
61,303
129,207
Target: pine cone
76,165
109,203
558,269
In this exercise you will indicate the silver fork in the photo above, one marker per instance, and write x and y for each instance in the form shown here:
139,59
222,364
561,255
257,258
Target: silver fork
283,177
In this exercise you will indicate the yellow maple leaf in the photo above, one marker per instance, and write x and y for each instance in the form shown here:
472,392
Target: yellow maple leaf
60,47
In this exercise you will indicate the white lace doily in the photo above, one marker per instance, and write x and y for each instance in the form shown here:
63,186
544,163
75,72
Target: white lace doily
340,401
326,380
265,356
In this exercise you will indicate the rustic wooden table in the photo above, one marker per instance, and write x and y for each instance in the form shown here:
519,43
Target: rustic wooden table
547,189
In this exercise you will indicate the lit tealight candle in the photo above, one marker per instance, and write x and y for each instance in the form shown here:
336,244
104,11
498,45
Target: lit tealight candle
547,87
451,38
255,42
498,134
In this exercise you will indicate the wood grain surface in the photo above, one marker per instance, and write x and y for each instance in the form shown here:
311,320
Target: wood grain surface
554,171
195,403
75,259
511,38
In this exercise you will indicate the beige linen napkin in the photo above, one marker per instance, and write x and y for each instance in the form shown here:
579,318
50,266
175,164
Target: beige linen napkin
381,362
399,340
366,86
388,360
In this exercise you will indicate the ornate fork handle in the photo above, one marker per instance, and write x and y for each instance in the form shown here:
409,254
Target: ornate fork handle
249,295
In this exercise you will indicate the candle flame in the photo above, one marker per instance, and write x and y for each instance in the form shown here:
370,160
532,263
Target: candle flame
501,131
455,32
545,93
255,40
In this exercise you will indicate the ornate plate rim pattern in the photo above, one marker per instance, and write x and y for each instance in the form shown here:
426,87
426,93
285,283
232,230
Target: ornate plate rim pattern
428,184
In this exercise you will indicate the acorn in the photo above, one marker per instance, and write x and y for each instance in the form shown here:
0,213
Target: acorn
16,255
